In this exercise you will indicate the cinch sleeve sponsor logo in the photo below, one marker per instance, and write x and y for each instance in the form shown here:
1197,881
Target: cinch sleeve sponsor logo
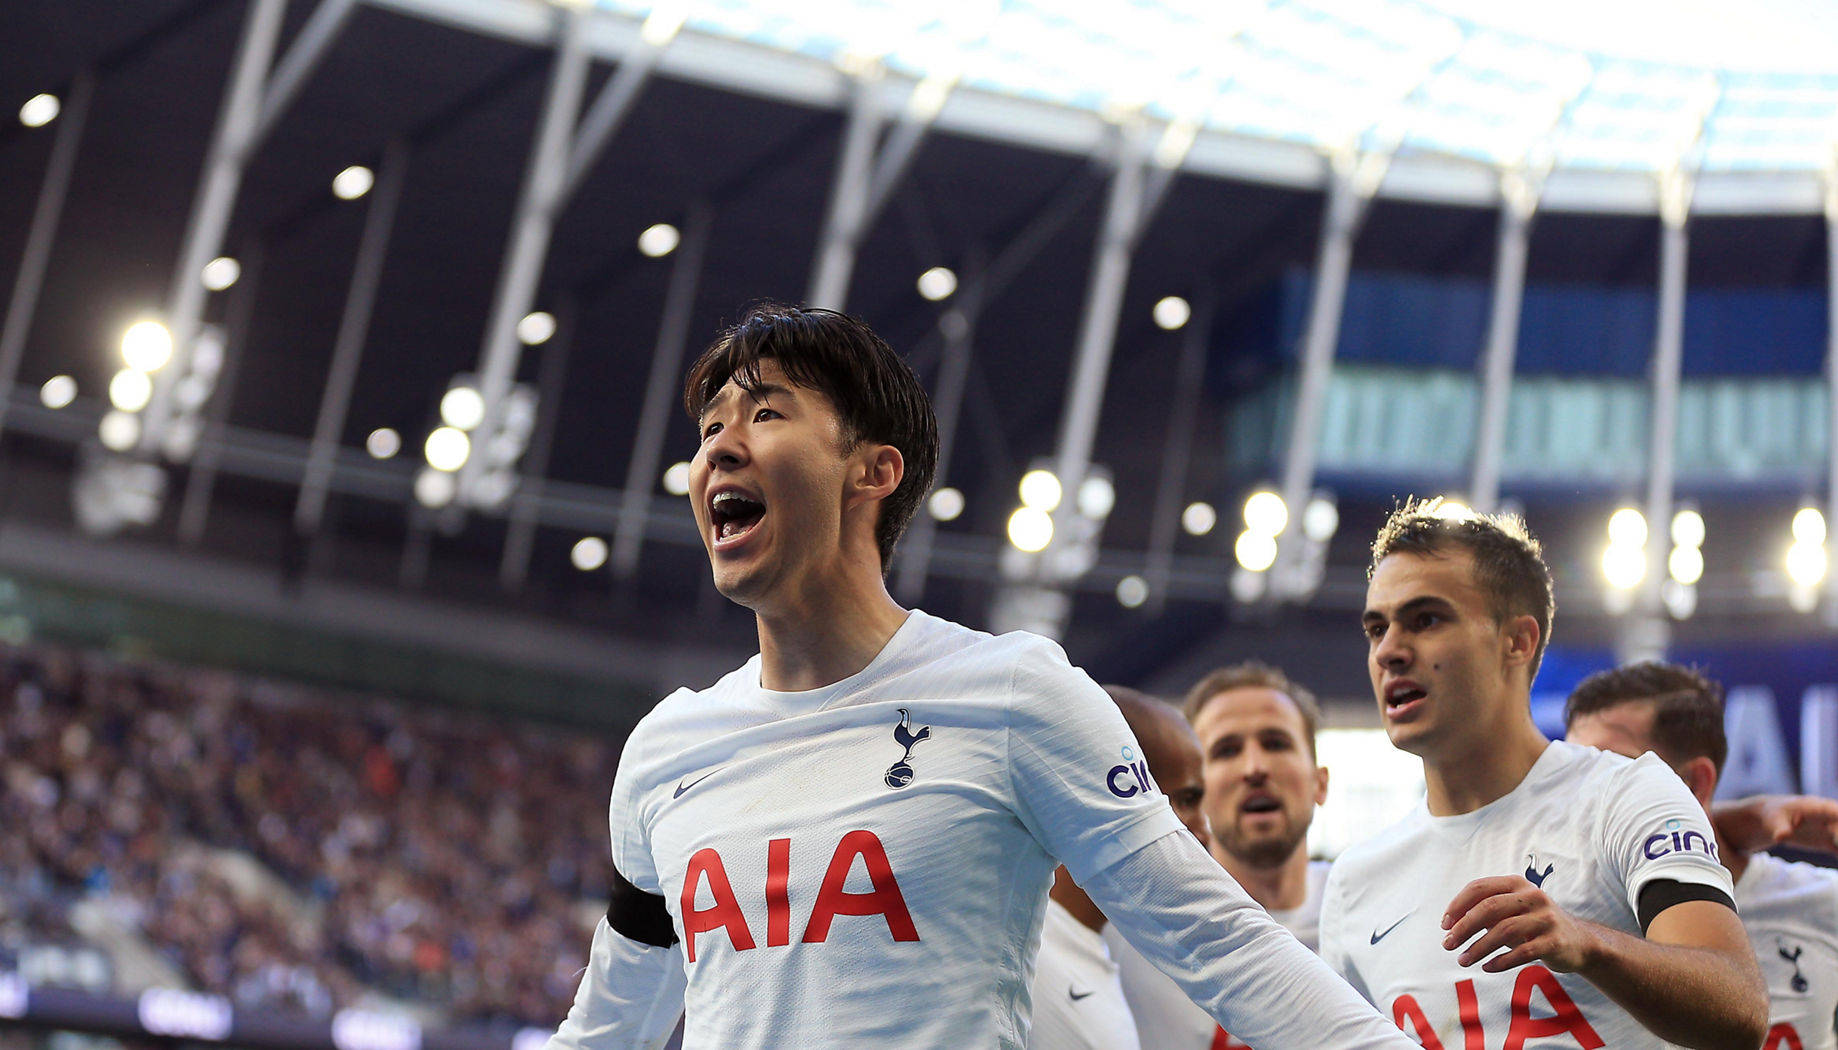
1129,778
1676,838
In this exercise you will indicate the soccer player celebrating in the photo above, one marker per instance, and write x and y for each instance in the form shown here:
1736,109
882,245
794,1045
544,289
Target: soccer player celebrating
1546,894
1256,733
847,841
1790,910
1078,998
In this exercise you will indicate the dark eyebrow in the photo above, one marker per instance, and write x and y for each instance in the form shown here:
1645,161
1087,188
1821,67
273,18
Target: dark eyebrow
1414,605
759,392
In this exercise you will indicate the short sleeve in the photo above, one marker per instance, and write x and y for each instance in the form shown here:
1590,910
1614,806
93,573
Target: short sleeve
625,818
1080,782
1653,828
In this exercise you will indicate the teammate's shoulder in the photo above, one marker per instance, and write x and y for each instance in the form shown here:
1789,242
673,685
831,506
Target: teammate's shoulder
1776,873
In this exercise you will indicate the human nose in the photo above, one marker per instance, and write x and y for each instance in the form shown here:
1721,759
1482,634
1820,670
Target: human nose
725,449
1391,653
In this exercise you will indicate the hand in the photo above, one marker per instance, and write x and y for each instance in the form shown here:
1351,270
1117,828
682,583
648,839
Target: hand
1805,821
1519,916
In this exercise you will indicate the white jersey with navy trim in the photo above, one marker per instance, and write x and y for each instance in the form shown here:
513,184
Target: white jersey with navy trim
1790,911
1078,1000
1165,1018
1589,827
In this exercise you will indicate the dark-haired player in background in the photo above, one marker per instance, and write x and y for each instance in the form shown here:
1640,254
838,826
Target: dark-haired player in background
1790,910
852,835
1525,901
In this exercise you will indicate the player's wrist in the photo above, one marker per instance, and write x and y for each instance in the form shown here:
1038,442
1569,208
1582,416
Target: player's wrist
1591,951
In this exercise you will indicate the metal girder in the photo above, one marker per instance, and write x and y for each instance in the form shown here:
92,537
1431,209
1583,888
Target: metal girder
23,303
1668,356
958,326
1495,394
1177,452
309,47
520,536
201,479
666,375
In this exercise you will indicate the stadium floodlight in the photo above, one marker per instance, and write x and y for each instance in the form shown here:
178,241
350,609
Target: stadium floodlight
676,479
664,22
1097,497
1688,528
1807,564
1030,529
659,240
130,390
1627,527
1686,565
119,430
462,407
221,272
1171,312
1132,591
937,283
146,346
589,553
946,504
353,182
1809,526
435,489
536,328
1320,519
39,110
1624,566
1266,514
383,443
1199,518
57,392
1040,490
1255,550
447,448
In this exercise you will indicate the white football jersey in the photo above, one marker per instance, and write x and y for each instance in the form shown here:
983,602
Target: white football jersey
1078,1000
866,864
1165,1018
1589,827
1791,913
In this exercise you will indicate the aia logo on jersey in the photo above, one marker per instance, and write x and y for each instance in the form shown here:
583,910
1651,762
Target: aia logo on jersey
1527,1019
1130,777
1676,838
900,773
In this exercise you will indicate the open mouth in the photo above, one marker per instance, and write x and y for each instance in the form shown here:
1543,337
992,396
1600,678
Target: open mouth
733,515
1260,804
1401,696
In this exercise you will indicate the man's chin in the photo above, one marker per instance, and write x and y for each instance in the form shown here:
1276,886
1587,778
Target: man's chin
1261,851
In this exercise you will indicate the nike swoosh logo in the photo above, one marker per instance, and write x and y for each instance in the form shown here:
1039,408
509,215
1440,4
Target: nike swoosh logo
682,786
1076,996
1378,936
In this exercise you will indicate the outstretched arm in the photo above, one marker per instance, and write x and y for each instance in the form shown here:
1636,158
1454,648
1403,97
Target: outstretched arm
629,999
1186,915
1760,821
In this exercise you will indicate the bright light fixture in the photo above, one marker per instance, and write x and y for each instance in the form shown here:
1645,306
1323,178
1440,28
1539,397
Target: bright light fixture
676,479
434,488
589,553
1040,490
130,390
937,283
119,430
659,240
1688,528
1097,497
57,392
39,110
447,448
1255,550
536,328
1320,519
1686,565
946,504
1030,529
353,182
1132,591
462,407
1266,514
1806,564
146,346
1199,518
1809,526
1449,509
221,272
383,443
1624,566
1627,527
1171,312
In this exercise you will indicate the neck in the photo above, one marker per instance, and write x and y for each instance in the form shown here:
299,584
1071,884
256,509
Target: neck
829,631
1282,887
1067,895
1476,773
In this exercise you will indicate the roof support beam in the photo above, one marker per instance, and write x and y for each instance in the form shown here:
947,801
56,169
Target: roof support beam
45,218
520,535
207,462
1830,611
1177,452
665,380
1520,201
309,47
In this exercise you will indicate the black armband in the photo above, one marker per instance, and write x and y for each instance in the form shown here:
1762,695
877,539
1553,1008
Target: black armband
1660,894
639,916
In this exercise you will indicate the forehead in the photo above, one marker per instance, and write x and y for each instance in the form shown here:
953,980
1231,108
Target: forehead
1626,728
1406,577
1248,709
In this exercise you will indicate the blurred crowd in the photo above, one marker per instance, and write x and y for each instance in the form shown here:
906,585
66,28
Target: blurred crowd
430,857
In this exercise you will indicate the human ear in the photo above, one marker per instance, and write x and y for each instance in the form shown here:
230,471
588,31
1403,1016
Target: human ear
1700,776
1522,636
880,469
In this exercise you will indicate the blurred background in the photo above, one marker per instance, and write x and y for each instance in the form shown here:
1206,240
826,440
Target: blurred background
342,536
